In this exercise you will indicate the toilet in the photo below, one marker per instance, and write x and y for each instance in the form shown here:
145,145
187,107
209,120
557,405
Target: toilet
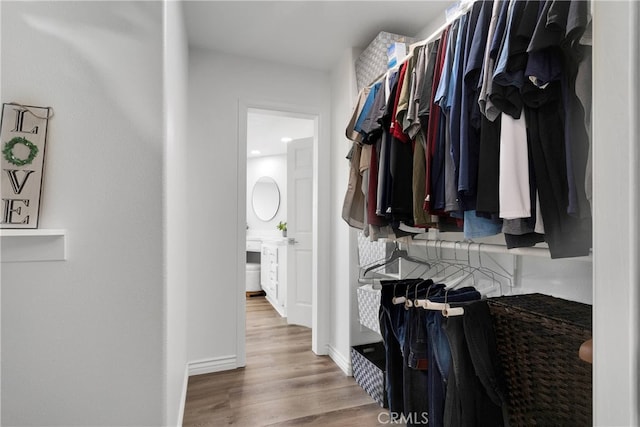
253,278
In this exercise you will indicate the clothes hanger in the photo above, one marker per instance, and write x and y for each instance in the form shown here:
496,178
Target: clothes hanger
428,304
458,280
437,265
415,302
419,302
491,274
446,309
449,311
408,303
466,268
397,300
396,255
419,262
458,265
402,299
452,281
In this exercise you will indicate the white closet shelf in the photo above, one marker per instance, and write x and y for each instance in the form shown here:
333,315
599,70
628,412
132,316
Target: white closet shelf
33,245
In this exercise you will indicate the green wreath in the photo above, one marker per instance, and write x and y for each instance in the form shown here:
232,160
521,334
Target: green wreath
11,158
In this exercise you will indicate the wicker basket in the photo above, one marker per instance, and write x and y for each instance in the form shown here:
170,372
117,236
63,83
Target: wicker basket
368,307
373,60
538,339
369,371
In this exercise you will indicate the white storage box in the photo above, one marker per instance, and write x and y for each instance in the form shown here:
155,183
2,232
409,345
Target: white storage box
373,61
369,306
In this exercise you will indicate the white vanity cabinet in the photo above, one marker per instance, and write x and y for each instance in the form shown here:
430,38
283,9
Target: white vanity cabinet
273,274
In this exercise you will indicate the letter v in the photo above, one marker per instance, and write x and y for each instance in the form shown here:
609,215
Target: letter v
13,178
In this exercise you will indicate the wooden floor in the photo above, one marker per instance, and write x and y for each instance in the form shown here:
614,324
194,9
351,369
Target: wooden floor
283,384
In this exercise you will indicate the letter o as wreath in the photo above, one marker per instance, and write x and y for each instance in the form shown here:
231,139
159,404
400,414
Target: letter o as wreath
11,158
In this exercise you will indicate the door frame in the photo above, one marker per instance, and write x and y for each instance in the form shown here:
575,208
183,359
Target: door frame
321,221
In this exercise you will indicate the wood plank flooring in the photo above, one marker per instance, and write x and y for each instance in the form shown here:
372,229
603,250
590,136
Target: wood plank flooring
284,383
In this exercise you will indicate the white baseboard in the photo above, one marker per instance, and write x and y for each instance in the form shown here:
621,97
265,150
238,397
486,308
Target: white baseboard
344,363
280,309
215,364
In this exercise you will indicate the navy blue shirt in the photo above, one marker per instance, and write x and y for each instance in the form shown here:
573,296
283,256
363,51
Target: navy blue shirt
470,119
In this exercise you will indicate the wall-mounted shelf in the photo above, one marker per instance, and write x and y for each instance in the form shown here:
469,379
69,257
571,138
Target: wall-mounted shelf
32,245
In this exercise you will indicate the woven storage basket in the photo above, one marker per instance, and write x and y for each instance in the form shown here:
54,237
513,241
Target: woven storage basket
368,362
538,339
372,62
369,307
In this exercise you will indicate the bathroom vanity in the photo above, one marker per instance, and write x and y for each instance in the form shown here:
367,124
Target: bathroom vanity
273,270
273,274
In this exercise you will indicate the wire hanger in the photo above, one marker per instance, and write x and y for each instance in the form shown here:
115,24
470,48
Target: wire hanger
424,302
408,303
396,254
397,300
449,311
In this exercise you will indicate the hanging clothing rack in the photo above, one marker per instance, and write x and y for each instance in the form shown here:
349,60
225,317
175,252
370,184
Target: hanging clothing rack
463,8
492,248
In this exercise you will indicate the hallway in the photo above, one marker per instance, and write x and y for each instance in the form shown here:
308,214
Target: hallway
283,384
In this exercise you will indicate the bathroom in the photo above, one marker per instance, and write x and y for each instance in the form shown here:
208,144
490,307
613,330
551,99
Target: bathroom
271,135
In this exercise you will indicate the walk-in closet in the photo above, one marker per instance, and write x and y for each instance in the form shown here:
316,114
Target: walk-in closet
471,189
469,239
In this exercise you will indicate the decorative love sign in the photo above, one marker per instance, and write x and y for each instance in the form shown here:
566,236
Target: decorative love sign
23,136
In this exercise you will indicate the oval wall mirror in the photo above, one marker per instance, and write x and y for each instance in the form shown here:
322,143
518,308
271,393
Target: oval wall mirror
265,198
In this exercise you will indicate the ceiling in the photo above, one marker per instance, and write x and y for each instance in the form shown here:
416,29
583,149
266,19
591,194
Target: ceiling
265,130
310,34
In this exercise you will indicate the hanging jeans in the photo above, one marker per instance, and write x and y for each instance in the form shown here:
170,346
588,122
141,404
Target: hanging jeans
438,351
393,331
474,395
416,364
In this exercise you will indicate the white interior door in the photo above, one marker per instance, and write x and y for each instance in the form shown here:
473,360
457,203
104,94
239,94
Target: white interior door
299,231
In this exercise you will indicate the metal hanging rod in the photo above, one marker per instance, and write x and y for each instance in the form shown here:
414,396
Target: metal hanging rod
491,248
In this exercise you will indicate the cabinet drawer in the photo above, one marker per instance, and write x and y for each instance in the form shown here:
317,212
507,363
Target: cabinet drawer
271,254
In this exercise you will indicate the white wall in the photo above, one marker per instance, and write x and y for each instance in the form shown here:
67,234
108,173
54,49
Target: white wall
175,201
276,168
217,202
343,94
616,183
83,339
344,270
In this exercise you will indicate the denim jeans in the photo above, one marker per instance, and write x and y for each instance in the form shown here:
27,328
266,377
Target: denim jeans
440,361
443,367
474,394
393,361
416,367
417,335
393,331
439,352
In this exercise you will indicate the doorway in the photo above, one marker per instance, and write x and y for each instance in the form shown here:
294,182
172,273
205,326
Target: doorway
266,133
279,209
